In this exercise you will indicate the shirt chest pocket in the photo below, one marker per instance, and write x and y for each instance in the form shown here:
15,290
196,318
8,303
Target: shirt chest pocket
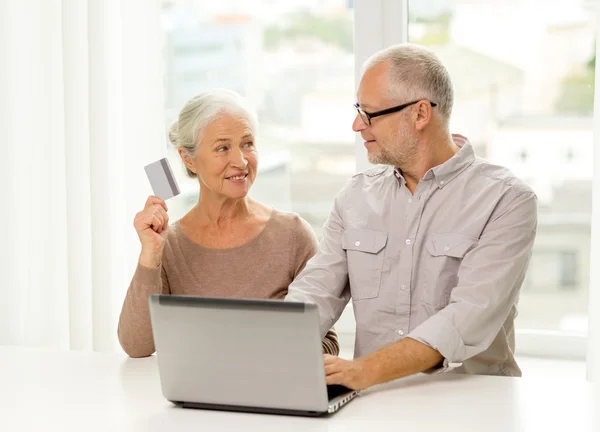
364,252
446,252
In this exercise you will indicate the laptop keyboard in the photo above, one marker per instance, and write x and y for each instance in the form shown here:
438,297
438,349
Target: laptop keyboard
335,390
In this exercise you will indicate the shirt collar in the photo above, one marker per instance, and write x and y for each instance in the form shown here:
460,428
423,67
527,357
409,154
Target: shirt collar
446,172
399,176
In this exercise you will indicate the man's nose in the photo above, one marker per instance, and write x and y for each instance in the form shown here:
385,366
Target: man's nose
358,124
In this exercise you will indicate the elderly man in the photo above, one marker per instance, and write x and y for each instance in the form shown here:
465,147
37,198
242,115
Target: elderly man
432,246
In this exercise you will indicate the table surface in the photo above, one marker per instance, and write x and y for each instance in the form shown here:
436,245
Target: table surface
81,391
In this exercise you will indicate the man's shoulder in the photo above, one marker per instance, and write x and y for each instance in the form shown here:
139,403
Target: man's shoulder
495,173
373,172
364,180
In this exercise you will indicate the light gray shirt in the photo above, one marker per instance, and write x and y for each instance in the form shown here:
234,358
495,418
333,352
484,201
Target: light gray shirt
443,266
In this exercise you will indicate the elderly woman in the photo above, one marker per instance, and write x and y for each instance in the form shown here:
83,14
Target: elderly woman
228,245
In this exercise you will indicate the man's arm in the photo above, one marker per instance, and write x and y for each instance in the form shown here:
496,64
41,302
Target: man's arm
324,279
489,280
397,360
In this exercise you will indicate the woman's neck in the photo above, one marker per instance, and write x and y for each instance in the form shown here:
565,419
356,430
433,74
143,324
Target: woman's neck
219,212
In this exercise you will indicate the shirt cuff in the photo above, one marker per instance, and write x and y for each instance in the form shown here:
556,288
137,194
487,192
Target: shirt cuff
446,366
441,335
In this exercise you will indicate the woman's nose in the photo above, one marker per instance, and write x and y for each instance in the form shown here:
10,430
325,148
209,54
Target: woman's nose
238,159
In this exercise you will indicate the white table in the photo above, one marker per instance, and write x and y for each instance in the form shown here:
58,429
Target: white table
74,391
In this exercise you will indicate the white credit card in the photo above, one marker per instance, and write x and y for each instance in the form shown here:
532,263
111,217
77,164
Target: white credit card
162,179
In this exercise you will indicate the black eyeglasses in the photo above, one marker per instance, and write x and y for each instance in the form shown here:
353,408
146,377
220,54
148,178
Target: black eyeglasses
366,117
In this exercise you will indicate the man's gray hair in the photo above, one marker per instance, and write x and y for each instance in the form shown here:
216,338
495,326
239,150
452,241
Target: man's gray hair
201,110
416,73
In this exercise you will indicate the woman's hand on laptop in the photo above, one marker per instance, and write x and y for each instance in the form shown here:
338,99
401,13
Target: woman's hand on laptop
151,225
349,373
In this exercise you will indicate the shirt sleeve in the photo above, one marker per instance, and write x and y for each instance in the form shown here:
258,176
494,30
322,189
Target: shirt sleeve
306,246
324,279
489,280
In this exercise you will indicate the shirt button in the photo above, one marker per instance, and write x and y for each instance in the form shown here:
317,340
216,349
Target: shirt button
442,182
407,241
446,249
357,243
403,287
400,332
410,200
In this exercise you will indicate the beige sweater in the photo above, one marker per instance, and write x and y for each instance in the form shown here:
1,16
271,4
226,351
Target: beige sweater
262,268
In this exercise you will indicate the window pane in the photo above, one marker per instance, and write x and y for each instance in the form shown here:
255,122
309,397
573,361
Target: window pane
524,83
294,60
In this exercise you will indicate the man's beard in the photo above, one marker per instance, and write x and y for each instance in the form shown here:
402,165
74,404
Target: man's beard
397,151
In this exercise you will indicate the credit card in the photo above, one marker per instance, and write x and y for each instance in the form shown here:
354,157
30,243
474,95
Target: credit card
162,179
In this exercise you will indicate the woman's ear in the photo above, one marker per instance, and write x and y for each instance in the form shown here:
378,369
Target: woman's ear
187,160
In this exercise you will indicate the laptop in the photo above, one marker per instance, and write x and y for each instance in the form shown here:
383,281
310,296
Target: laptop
260,356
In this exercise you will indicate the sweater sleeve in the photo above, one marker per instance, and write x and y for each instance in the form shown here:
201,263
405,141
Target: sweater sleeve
306,246
330,343
135,330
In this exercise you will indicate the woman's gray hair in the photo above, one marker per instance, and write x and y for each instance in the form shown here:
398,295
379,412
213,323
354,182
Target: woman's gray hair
201,110
416,73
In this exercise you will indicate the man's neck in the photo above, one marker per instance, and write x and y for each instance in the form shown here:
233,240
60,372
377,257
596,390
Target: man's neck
433,152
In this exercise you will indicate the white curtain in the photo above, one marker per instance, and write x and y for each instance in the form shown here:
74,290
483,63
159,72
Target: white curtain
81,112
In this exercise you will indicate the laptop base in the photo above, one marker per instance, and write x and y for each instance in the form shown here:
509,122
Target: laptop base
256,410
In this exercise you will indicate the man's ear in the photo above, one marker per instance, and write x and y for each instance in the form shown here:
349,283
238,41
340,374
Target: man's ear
424,114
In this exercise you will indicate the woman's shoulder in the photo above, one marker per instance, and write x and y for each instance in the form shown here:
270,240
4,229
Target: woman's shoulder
301,240
290,220
294,224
